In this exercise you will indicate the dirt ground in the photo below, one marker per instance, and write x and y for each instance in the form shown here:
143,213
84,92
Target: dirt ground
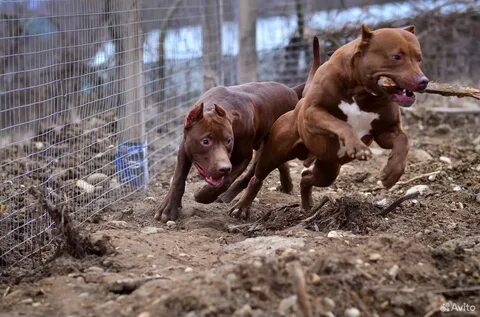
347,260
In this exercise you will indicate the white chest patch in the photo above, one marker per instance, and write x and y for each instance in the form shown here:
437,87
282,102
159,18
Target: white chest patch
359,120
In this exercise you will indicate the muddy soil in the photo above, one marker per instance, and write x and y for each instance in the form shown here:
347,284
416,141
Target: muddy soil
421,258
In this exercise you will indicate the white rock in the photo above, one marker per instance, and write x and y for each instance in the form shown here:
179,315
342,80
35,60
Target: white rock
151,230
393,271
374,257
286,305
329,303
94,269
432,177
445,160
352,312
381,203
118,224
376,151
419,155
188,270
38,145
456,188
114,184
273,188
421,189
96,178
86,187
144,314
340,234
171,224
150,199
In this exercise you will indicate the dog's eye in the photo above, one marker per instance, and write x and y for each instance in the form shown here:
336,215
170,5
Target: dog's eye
396,57
205,141
229,141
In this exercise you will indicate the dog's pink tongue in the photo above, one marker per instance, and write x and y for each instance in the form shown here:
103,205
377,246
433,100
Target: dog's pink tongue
404,100
215,182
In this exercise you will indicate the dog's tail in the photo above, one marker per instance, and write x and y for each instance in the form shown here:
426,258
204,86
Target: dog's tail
302,89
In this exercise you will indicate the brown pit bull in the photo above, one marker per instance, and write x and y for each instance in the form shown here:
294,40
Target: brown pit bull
354,98
220,134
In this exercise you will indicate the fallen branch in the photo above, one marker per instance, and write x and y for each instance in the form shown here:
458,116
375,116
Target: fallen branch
398,202
452,90
63,222
417,178
315,215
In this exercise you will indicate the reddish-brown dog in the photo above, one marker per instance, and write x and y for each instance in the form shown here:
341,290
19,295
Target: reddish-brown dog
354,98
220,134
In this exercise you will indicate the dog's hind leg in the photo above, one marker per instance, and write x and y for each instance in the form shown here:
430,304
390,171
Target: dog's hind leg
321,174
286,185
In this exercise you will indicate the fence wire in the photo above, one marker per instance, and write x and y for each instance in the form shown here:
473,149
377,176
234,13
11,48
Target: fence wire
93,92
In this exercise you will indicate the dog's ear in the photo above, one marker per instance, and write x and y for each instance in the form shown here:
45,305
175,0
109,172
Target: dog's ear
219,110
233,115
366,36
193,116
410,28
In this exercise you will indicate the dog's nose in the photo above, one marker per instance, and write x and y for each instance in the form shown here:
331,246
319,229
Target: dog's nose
225,169
422,83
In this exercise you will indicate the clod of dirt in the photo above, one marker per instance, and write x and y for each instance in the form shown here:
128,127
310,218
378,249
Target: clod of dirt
419,156
471,244
443,129
266,246
151,230
118,224
287,306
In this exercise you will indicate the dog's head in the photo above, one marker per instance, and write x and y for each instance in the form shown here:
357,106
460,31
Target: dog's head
388,62
208,139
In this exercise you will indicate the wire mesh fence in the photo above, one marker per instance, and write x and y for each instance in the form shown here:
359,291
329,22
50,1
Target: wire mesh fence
93,93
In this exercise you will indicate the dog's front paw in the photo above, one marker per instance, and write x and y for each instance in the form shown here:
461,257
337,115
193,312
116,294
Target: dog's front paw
240,211
357,149
285,188
167,210
391,174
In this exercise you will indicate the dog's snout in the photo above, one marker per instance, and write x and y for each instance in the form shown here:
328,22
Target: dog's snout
422,83
225,168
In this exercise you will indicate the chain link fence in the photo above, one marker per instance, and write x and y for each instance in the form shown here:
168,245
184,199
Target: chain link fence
93,93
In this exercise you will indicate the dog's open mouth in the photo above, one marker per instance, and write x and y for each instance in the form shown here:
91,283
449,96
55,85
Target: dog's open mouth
215,182
403,97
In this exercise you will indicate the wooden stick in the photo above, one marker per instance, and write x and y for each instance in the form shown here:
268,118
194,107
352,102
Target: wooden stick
417,178
452,90
301,288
